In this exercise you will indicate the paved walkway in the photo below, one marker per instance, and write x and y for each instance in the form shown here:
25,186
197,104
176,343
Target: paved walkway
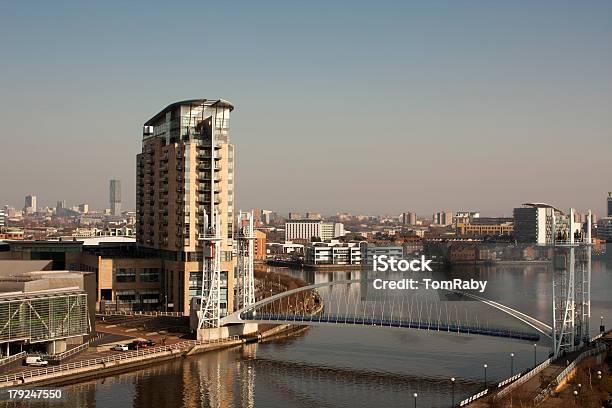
532,387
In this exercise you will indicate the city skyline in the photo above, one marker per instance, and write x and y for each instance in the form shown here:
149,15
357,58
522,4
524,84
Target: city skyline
346,112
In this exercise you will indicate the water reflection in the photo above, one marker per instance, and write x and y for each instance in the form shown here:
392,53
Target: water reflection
347,367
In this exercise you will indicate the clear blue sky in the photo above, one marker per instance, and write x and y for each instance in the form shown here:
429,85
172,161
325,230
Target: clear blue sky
374,107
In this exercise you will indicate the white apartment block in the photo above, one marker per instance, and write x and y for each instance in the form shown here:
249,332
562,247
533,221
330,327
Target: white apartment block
307,229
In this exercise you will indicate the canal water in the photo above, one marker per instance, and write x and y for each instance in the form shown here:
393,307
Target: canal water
350,367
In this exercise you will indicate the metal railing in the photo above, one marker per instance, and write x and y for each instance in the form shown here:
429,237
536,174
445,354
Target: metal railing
474,397
65,354
12,358
521,378
548,390
139,313
115,357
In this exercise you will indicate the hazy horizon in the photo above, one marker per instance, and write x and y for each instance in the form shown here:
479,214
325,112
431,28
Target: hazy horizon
351,106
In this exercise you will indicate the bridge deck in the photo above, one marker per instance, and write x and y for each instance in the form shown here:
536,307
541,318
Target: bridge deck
361,321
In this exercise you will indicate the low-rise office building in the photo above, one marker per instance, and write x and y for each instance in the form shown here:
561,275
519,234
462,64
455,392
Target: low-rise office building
485,226
44,310
332,253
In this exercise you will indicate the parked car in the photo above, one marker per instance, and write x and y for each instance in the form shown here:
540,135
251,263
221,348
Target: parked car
137,344
36,361
120,347
151,343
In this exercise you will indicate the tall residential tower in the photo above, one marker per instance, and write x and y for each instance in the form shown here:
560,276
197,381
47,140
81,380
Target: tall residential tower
186,171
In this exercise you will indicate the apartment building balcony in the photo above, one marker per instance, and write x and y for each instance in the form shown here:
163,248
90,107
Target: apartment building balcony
205,199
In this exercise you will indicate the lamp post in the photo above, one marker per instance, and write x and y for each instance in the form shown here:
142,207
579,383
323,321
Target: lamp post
599,375
453,391
511,364
415,395
485,375
535,354
575,397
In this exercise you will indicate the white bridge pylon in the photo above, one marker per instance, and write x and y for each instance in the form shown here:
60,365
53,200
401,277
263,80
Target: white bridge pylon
210,296
245,284
236,317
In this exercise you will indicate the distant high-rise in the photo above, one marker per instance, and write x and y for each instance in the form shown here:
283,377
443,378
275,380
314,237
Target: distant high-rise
30,204
443,218
84,208
60,206
409,218
2,217
609,204
115,197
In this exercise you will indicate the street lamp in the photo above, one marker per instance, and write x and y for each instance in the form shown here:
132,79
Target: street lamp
453,391
599,375
535,354
511,364
485,375
415,397
575,397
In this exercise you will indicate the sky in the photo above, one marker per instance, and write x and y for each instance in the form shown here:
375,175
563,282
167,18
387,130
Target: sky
366,107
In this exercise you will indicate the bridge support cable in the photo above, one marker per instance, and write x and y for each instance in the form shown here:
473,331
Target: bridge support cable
344,304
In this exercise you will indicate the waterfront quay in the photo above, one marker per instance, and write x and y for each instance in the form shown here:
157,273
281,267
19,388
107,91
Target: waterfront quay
581,378
168,333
